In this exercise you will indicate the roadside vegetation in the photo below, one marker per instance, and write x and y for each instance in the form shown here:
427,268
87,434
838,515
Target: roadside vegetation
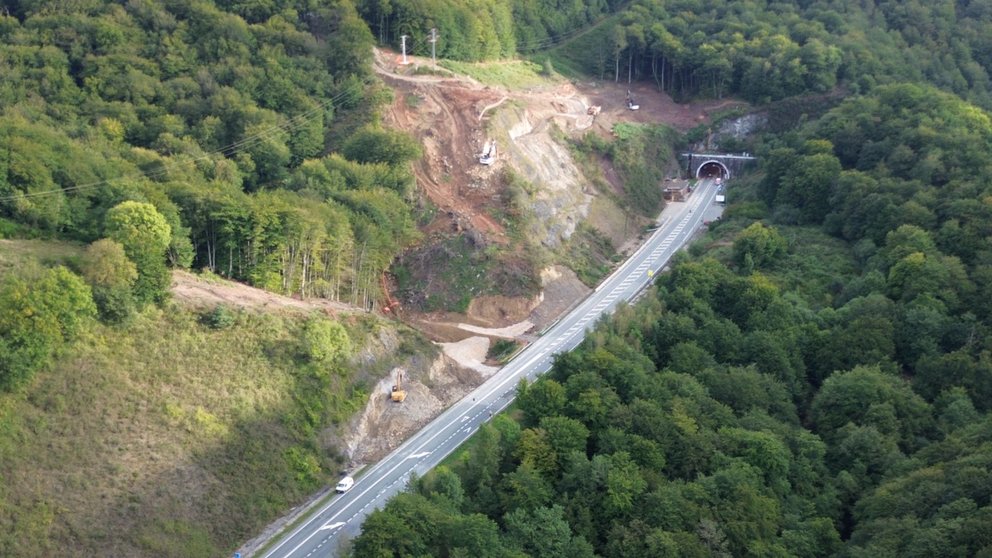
642,155
589,254
502,349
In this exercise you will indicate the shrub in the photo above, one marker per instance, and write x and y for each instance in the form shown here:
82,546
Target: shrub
221,317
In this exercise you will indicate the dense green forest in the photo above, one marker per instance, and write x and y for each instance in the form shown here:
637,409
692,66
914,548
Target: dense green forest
252,130
765,51
813,379
241,139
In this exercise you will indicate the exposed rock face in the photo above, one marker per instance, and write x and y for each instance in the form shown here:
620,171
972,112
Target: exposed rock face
738,128
558,200
384,424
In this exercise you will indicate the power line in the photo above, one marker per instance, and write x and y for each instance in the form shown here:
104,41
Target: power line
552,40
414,41
290,124
533,45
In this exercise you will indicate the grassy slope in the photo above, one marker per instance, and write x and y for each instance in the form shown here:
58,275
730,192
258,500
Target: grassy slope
169,438
513,74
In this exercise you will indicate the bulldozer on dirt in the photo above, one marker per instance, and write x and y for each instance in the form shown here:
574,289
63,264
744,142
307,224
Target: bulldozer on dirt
398,394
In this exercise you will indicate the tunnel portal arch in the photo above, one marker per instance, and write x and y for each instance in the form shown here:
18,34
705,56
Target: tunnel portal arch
713,167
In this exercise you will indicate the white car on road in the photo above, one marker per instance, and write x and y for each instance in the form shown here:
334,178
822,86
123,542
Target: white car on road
345,485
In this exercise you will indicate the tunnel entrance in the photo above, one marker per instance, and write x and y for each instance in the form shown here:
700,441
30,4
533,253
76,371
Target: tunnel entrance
713,169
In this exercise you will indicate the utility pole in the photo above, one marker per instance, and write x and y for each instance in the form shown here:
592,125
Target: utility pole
433,41
403,46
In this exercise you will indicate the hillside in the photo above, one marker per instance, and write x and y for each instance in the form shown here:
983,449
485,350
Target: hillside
143,140
189,430
493,230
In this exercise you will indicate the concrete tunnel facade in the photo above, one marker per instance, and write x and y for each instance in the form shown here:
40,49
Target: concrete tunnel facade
706,169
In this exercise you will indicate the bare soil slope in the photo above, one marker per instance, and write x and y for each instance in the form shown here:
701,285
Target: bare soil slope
199,292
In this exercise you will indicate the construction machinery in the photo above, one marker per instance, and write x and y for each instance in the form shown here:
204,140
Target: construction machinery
488,156
398,394
390,304
631,103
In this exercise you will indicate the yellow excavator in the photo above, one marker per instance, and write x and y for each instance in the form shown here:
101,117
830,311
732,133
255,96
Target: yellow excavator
398,395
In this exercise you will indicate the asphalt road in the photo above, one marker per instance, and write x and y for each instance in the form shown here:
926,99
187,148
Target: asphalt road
324,532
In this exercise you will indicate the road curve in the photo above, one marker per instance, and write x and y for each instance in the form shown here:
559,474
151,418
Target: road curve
322,532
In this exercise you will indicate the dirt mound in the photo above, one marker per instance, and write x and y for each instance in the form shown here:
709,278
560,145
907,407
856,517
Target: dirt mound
498,311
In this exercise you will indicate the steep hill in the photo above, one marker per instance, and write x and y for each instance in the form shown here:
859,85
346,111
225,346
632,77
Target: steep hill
188,430
491,229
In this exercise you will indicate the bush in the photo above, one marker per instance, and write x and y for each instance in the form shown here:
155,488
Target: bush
221,317
547,70
501,350
758,246
325,341
115,305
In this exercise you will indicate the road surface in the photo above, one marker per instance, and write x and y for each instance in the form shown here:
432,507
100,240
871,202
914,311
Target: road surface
322,533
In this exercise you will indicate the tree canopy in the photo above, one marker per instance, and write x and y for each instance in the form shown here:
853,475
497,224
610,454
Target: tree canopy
226,119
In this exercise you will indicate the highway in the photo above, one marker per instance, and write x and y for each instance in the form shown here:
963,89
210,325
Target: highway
322,532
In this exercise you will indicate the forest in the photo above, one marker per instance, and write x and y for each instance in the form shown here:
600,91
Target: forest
813,378
758,51
764,52
237,139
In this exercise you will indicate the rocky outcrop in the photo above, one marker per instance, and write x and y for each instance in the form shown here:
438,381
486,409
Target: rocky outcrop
431,386
558,200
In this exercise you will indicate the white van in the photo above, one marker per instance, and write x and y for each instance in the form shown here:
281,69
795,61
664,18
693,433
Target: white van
345,485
